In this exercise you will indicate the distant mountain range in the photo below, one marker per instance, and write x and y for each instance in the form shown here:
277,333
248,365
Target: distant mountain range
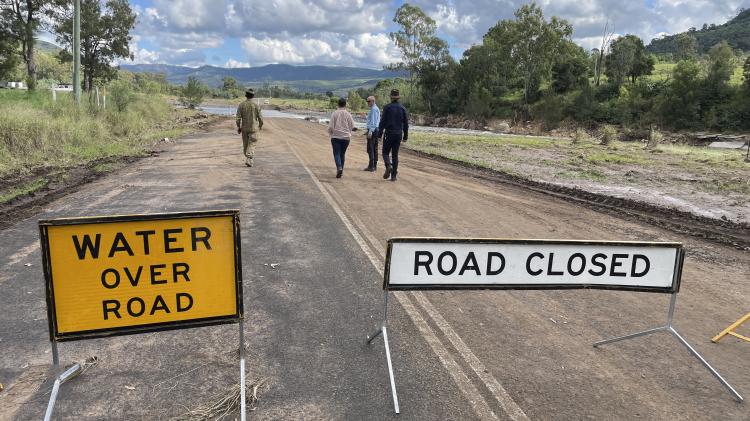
736,32
304,78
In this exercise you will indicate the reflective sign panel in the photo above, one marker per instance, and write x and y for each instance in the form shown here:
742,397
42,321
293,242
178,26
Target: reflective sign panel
455,263
129,274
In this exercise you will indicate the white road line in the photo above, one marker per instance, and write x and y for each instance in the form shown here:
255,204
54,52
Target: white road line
479,404
504,399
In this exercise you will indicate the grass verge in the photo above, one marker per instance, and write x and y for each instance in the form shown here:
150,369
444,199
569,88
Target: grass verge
38,133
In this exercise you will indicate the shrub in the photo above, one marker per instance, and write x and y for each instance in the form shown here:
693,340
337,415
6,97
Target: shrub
609,133
580,135
120,94
191,95
654,138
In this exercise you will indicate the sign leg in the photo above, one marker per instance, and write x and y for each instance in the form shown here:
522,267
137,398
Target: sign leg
55,355
705,363
69,373
243,412
631,336
669,328
390,369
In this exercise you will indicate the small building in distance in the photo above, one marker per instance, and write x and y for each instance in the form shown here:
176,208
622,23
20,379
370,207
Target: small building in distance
13,85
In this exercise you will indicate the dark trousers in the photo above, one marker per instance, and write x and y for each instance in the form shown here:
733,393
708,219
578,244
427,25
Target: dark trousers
372,151
339,151
391,144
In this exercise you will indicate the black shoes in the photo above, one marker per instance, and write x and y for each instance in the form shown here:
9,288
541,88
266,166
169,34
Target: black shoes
393,174
339,173
387,173
367,169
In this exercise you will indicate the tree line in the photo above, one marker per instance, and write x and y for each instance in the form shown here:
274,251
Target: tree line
529,68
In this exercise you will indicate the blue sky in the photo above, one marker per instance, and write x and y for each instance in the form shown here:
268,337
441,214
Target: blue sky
241,33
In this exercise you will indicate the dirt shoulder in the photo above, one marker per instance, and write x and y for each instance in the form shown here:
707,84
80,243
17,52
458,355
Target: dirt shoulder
708,183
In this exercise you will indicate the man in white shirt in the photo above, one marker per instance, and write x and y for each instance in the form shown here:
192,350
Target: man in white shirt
373,120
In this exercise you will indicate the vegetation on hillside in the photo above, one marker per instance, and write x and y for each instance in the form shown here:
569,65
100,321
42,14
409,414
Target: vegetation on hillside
736,33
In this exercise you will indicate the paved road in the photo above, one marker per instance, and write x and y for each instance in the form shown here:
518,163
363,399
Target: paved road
457,355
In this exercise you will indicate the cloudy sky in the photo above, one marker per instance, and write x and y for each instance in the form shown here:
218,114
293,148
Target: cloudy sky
241,33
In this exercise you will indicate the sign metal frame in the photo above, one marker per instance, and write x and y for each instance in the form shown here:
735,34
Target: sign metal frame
672,290
55,336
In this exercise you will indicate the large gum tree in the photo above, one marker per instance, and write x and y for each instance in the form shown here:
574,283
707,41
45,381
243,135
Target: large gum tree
105,36
20,20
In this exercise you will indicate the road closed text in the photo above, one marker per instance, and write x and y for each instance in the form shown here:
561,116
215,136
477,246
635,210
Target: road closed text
119,274
531,263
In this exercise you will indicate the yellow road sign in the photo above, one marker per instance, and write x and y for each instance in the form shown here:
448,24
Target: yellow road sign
137,273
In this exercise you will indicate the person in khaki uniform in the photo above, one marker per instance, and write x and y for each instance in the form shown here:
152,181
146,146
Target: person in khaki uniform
249,122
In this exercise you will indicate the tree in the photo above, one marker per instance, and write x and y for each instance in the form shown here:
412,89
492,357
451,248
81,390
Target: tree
433,70
355,102
228,84
192,93
687,47
20,21
721,62
535,43
415,34
105,36
571,70
680,107
746,73
607,35
628,58
8,54
329,94
49,67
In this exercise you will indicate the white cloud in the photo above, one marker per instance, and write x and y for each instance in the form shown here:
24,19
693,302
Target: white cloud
354,32
234,64
372,50
299,17
460,27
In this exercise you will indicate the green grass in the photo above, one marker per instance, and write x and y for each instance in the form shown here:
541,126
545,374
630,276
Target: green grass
22,190
604,157
37,132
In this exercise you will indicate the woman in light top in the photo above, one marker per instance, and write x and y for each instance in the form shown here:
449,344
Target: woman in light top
340,129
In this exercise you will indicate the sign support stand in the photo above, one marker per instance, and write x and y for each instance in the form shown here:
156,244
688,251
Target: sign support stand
242,369
384,331
670,329
55,355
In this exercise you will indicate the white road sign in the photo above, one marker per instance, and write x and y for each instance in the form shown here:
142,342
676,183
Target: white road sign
454,263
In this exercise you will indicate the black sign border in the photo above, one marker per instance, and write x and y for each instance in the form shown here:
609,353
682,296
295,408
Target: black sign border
56,336
673,289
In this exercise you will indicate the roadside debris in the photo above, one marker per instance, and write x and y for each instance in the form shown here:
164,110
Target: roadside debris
222,406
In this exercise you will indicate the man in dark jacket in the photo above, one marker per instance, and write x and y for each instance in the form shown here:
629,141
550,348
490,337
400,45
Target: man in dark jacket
394,126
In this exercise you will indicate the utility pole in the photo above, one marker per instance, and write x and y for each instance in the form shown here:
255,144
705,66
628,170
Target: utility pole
77,52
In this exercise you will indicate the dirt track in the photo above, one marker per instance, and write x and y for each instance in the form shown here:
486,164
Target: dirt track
457,355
